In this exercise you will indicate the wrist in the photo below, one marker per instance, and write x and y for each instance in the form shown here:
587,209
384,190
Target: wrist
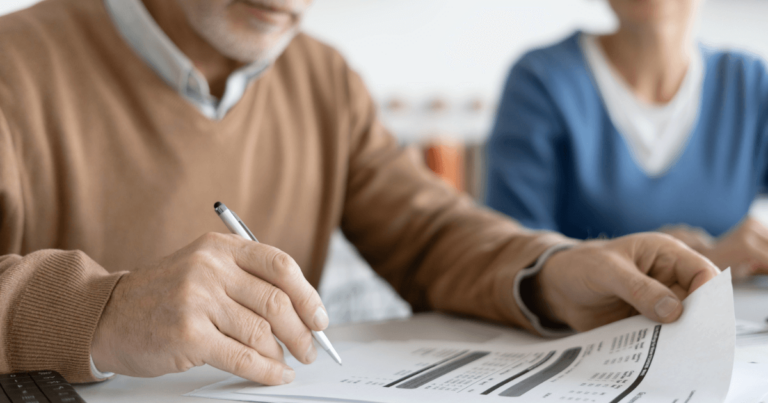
98,374
533,296
541,298
102,353
533,302
99,359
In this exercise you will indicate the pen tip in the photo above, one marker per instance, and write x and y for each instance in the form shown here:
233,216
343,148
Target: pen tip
216,205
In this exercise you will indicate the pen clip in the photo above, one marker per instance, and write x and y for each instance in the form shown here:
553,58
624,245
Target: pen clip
242,224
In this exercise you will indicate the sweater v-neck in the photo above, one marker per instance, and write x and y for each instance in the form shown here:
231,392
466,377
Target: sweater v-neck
138,73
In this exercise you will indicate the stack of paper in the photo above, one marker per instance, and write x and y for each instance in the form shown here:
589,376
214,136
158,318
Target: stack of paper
634,360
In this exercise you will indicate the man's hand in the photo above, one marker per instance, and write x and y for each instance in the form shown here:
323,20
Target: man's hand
219,301
744,249
599,282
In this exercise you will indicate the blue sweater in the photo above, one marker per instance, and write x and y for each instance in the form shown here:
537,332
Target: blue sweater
557,162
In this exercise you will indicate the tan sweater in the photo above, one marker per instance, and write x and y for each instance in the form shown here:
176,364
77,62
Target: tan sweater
104,168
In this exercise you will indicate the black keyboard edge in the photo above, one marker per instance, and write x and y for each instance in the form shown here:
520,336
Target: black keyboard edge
45,386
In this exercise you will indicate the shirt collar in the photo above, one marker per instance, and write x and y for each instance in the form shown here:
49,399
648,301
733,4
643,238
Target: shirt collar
142,33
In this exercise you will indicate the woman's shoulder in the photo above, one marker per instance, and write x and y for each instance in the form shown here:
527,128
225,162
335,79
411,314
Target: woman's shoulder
556,74
554,60
739,64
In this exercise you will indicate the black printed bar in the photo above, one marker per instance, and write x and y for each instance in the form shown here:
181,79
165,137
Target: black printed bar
443,370
565,360
425,369
519,374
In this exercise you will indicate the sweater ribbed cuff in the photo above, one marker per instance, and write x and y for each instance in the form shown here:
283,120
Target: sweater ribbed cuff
55,321
507,280
530,272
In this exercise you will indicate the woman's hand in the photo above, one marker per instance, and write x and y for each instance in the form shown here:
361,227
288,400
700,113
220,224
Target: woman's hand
743,249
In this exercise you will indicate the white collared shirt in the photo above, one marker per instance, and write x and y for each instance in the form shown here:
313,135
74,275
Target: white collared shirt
656,134
148,40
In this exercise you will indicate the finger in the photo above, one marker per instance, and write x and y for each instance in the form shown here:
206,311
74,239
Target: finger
243,325
756,227
679,291
760,270
229,355
757,248
670,261
276,307
648,296
741,271
278,268
757,268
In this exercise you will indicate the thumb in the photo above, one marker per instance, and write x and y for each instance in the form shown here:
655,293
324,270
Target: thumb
651,298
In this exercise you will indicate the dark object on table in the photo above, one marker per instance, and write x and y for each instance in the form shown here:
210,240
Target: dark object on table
37,387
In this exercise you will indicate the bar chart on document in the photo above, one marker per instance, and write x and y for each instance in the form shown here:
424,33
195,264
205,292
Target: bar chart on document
605,371
635,360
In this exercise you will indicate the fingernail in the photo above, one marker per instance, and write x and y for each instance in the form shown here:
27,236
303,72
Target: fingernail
311,353
288,375
666,306
321,318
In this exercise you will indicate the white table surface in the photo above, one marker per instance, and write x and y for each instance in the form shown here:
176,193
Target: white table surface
751,301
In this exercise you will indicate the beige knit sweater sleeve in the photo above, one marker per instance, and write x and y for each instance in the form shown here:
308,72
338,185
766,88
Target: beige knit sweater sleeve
50,300
436,247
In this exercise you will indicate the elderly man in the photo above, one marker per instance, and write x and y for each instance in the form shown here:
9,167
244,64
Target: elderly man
122,122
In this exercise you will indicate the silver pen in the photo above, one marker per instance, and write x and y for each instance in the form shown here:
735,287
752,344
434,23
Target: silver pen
237,226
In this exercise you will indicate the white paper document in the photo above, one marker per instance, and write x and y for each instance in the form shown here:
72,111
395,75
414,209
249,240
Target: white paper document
634,360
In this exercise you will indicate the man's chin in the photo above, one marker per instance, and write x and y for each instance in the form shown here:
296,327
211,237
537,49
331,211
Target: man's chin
251,47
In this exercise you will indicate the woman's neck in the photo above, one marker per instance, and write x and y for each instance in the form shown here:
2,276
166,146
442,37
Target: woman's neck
652,60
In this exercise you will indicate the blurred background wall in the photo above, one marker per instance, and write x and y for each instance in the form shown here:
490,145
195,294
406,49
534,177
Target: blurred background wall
459,48
436,67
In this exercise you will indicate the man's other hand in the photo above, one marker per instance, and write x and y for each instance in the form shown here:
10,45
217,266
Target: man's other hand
221,301
599,282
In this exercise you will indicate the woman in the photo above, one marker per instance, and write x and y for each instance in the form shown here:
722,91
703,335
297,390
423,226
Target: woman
636,131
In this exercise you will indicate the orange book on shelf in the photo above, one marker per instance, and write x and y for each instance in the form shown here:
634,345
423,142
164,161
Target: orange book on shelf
447,161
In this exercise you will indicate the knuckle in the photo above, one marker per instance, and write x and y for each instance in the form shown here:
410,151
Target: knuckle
639,287
261,328
185,293
202,258
302,338
183,364
269,372
244,360
192,291
278,303
187,332
659,237
307,297
282,265
211,237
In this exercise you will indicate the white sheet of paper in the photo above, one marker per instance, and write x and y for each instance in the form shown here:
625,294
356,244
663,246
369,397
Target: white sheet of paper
633,360
749,382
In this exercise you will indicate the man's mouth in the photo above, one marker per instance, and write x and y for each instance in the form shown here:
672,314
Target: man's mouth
269,13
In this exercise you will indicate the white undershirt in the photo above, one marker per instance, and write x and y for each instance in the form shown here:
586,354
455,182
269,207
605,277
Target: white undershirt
656,134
